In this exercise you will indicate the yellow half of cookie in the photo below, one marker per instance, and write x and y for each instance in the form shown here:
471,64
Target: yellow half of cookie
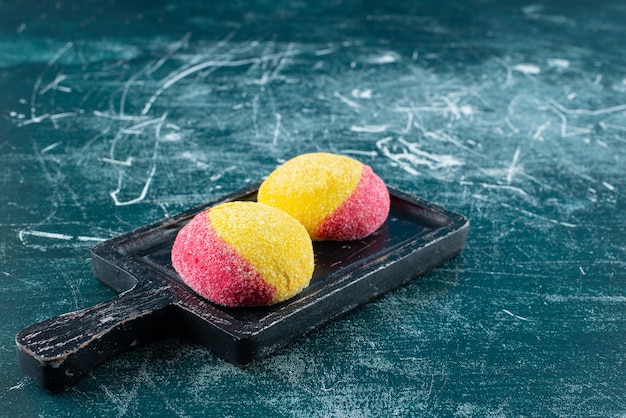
274,243
311,187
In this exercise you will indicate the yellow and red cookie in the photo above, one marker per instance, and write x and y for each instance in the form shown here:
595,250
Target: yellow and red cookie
244,254
335,197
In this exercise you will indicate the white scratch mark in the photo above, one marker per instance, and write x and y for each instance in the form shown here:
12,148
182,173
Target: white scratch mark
326,51
255,113
527,69
50,147
557,109
171,137
388,57
596,112
90,239
142,195
409,123
515,316
583,272
417,109
118,117
42,234
608,186
126,163
63,115
601,299
511,172
358,152
466,110
219,175
510,125
19,385
538,133
369,128
362,94
54,84
558,63
432,161
411,156
146,186
276,129
533,9
41,118
135,128
452,106
494,186
36,119
347,101
175,79
480,197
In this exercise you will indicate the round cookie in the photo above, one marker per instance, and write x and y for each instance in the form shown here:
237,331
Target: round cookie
244,254
335,197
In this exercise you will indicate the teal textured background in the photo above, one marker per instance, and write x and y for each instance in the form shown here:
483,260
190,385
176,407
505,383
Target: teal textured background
513,113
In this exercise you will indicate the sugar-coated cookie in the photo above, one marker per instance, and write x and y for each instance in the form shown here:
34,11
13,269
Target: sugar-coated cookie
333,196
244,254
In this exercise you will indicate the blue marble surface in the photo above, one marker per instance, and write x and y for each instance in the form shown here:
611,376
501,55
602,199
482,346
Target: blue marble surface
113,115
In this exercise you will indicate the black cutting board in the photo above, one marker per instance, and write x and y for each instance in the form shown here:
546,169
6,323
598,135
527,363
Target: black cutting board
154,303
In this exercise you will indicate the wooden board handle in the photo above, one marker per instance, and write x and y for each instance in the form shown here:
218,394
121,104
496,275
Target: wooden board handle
59,351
